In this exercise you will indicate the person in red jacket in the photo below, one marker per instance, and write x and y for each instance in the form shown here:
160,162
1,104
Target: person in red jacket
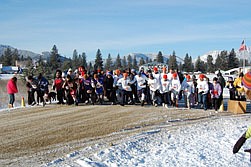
12,89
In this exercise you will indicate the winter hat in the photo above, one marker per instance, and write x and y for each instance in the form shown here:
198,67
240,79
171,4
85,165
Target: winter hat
201,76
125,74
117,71
155,69
175,75
188,77
246,80
165,76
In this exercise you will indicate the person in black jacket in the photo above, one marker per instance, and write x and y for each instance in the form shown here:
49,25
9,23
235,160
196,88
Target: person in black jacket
108,87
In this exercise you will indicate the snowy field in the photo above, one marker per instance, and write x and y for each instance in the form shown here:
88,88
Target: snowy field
205,144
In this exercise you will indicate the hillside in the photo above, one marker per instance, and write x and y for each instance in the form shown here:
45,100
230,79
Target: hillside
26,53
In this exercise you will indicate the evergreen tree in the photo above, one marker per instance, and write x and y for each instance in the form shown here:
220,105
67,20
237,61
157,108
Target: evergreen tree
191,69
124,62
134,63
160,58
129,61
210,65
224,57
172,63
84,62
66,64
141,61
200,65
22,58
147,60
98,61
221,61
90,67
186,63
118,64
108,63
29,62
75,60
7,57
15,57
54,58
233,61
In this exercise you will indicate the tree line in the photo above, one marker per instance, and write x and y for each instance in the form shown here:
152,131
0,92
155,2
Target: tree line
224,61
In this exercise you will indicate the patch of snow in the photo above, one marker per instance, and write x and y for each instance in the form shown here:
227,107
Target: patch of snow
206,143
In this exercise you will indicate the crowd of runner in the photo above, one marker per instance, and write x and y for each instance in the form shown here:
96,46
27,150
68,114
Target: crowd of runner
157,87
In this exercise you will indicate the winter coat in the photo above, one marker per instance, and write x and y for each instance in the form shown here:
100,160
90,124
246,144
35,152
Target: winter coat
186,87
216,91
165,86
175,86
203,87
125,84
43,84
153,84
12,87
141,81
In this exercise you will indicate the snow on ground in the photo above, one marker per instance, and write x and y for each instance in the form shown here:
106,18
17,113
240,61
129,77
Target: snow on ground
204,144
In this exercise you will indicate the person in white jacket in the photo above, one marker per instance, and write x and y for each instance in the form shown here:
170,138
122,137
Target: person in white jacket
125,83
141,86
165,86
203,89
175,89
153,85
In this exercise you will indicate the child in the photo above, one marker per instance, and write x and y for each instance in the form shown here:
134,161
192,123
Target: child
215,93
232,89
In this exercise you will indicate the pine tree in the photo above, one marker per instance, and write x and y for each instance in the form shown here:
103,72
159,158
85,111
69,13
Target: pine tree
191,69
210,65
84,62
147,60
15,57
186,63
200,65
141,61
98,61
66,64
134,62
90,67
160,58
172,63
233,61
75,60
108,63
54,58
118,64
7,57
124,62
129,61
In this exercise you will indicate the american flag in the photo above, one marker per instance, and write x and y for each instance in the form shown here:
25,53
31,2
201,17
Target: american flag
243,46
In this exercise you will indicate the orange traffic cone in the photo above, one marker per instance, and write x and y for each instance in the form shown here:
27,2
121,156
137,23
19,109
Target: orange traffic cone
23,102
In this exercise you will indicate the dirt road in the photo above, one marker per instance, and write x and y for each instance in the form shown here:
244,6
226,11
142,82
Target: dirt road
35,135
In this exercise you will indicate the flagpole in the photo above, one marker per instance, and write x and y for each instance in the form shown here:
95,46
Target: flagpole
243,62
